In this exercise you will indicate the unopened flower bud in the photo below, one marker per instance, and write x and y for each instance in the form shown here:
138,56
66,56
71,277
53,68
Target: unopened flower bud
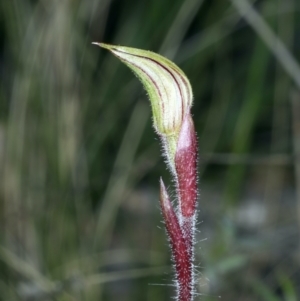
168,88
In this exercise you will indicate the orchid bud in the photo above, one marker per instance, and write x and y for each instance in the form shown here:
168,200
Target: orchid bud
168,88
171,99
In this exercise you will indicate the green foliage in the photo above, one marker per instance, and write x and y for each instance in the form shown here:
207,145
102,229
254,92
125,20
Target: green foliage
80,162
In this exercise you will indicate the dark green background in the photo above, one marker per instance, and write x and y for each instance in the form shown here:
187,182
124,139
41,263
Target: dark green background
80,162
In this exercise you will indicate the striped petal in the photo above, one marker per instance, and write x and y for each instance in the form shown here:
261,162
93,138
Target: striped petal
168,88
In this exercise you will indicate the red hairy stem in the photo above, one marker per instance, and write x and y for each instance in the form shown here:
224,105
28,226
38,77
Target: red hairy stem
186,171
181,226
180,251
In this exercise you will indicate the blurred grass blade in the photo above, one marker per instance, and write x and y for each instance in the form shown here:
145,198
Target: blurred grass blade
284,56
247,116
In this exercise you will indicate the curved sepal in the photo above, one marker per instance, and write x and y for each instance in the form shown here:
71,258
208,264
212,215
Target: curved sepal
168,88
